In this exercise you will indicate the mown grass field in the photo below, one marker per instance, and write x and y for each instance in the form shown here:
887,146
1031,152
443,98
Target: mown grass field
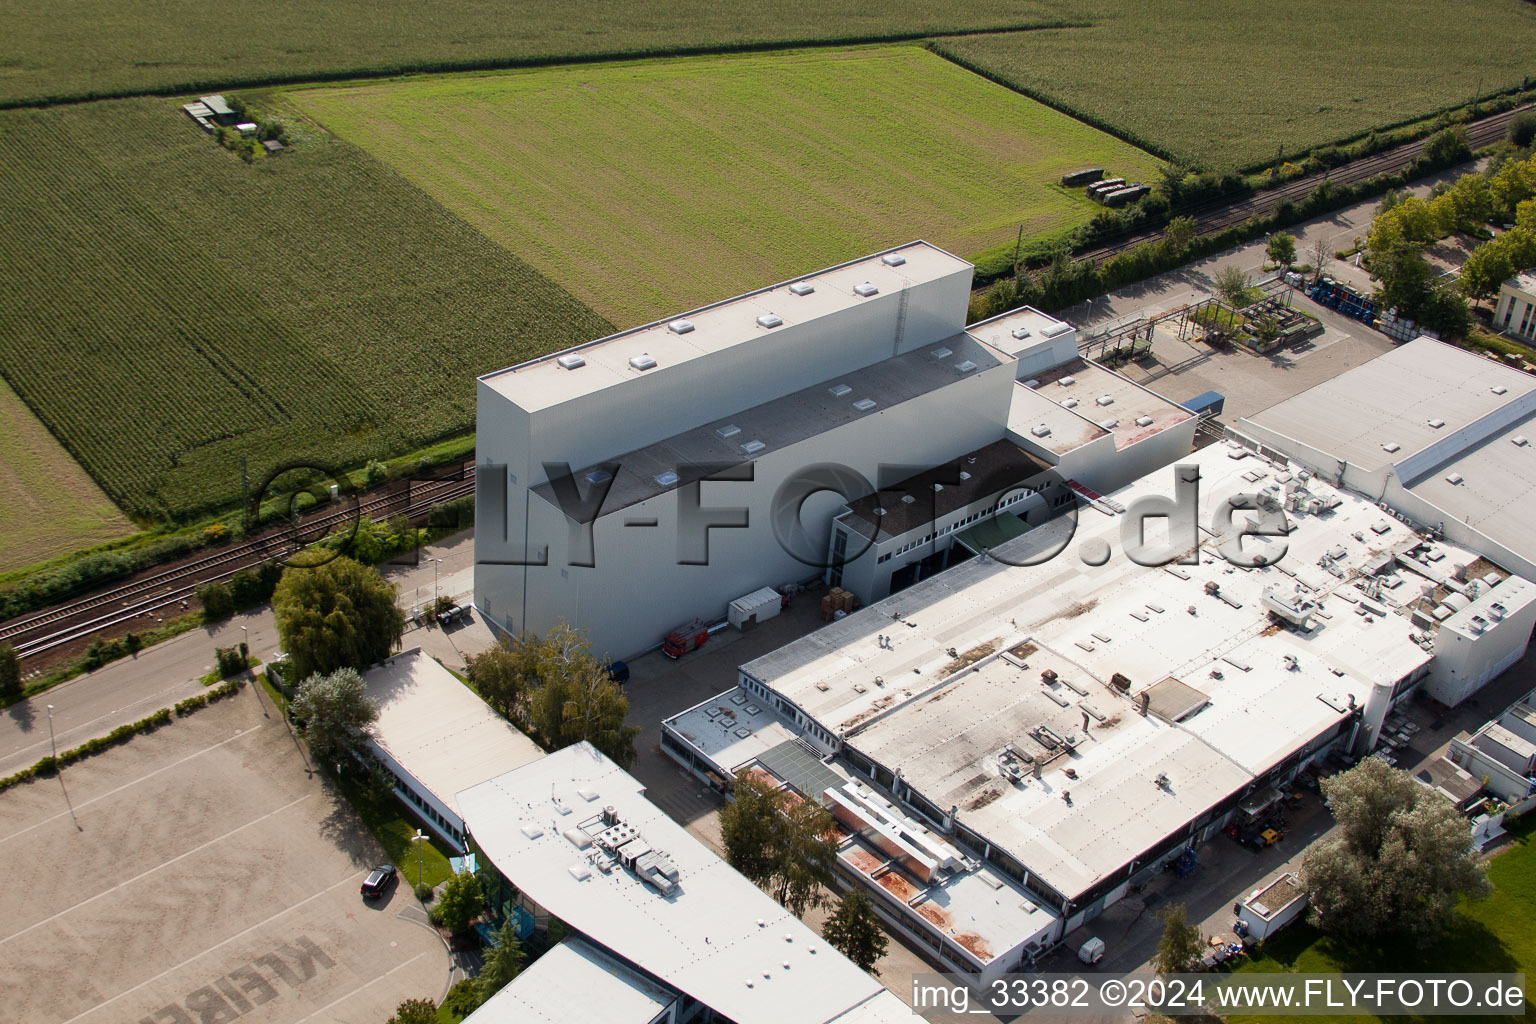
48,506
170,310
1228,84
651,187
95,48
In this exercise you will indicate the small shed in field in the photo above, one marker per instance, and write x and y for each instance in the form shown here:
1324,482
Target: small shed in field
219,110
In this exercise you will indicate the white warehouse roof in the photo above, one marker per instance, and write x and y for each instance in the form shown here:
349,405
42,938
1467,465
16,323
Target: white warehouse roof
438,729
574,983
716,937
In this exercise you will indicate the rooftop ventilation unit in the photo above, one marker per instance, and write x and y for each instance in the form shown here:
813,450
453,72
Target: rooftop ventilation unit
801,288
770,320
1519,439
643,362
1437,423
753,447
1070,403
1390,446
571,362
941,353
866,289
667,479
1021,333
907,499
1143,421
1056,329
1109,424
1067,381
892,259
1104,400
964,475
938,487
864,404
1041,431
1453,478
839,390
965,367
680,326
1499,389
598,476
729,430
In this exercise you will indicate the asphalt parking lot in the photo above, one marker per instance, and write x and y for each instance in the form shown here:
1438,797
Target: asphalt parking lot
210,877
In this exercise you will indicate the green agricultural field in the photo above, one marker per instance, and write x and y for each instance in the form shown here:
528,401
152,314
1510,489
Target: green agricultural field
1228,84
651,187
49,506
170,310
95,48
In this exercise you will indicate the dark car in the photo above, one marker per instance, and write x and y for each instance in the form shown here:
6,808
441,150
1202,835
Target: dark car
618,671
378,881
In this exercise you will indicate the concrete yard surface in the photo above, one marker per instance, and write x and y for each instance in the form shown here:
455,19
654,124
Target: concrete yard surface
201,873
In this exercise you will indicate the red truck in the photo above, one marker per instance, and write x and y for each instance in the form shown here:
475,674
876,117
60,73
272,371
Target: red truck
684,639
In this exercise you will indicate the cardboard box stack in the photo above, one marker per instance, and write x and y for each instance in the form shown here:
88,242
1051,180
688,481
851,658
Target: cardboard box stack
837,600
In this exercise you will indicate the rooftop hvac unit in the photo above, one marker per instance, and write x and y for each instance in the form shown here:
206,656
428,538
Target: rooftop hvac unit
1105,400
680,326
839,390
1041,431
598,476
571,362
1143,421
892,259
752,447
610,815
802,288
729,430
1109,424
942,353
1020,333
642,362
1067,381
667,479
1070,403
864,404
865,290
965,367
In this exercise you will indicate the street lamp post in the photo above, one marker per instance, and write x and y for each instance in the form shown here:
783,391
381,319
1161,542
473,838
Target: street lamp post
436,567
418,838
54,747
59,771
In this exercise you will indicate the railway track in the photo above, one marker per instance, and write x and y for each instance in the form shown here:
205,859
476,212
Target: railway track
43,631
1216,214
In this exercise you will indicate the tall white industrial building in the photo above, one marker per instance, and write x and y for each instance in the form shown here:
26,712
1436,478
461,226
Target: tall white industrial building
634,483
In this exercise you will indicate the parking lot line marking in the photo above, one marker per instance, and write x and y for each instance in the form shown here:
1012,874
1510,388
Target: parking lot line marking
135,782
157,867
352,877
349,995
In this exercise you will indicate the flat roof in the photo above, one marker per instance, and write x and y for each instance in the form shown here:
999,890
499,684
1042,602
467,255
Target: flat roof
959,678
542,383
1495,486
1038,417
438,729
1525,281
566,986
782,422
1276,896
1392,399
1132,414
716,726
716,937
973,476
1037,328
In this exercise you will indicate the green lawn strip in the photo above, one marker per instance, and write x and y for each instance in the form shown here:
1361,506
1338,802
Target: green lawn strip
1492,935
391,826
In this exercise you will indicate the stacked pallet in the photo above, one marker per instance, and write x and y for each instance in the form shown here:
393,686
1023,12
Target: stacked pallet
837,600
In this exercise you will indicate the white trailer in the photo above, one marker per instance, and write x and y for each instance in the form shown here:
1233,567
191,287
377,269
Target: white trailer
758,606
1272,907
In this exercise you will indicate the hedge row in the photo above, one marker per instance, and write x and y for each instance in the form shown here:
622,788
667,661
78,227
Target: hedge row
122,734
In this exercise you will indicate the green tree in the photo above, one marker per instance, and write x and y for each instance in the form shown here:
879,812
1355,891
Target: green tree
1232,286
1282,249
854,931
217,601
1447,146
415,1011
503,963
1177,237
339,614
334,709
575,699
459,904
375,474
1402,277
1398,861
1521,129
1179,947
748,825
11,688
1486,268
501,675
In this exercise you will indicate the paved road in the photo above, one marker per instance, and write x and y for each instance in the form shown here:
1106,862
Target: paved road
124,691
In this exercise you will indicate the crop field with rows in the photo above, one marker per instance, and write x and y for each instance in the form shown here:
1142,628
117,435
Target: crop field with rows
100,48
48,506
1229,84
170,310
651,187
